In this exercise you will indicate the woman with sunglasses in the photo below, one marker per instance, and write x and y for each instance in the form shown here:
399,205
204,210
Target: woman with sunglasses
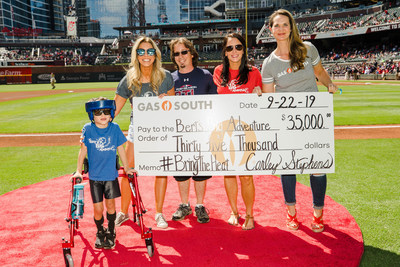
144,78
293,67
236,76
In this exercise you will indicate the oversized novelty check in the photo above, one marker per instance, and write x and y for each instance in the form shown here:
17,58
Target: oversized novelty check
234,134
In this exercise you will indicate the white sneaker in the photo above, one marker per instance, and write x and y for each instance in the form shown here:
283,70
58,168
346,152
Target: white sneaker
121,218
161,223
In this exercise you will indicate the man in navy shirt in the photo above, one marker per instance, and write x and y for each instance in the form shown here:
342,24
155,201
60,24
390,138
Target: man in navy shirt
190,80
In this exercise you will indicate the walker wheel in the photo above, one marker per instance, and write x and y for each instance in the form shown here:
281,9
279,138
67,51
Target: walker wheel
69,262
150,247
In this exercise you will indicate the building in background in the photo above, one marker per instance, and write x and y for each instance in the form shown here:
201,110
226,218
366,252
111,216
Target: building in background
83,14
191,10
31,18
121,13
162,12
107,14
94,28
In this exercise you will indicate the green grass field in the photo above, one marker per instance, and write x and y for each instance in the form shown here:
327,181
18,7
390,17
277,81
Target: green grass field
367,174
59,86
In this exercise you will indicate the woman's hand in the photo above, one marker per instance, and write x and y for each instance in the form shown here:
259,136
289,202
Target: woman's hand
171,92
257,90
332,88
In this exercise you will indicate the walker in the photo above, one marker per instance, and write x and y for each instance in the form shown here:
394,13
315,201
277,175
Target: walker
76,209
74,213
138,211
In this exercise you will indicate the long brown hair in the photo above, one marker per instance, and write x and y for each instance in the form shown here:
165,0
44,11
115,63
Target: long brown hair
188,44
297,49
244,67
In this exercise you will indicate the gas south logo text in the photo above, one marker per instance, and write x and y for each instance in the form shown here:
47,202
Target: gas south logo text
177,105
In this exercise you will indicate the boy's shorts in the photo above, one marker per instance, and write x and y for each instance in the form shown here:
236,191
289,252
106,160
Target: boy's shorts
195,178
108,189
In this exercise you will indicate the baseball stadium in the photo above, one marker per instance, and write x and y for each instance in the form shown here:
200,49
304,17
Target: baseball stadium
57,55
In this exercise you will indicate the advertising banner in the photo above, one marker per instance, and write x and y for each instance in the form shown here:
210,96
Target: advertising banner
79,77
71,26
15,75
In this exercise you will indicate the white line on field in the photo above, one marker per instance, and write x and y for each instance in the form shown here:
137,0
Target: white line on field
367,127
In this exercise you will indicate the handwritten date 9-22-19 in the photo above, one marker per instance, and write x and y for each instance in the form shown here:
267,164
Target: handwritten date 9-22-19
290,102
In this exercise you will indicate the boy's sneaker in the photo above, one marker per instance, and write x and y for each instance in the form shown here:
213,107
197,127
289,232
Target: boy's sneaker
202,214
100,236
109,242
121,218
182,211
161,222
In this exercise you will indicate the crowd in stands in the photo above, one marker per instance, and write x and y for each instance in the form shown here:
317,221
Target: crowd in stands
380,18
377,59
316,10
69,56
195,33
380,59
353,71
382,52
180,33
387,16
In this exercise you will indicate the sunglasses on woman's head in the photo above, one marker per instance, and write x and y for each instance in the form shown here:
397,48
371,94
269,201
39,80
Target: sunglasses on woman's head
238,47
150,51
105,111
184,52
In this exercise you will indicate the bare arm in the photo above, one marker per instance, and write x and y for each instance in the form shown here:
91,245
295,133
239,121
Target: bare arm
170,92
81,156
324,78
119,103
124,159
268,88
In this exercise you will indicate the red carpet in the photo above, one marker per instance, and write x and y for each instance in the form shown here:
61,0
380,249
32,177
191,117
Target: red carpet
32,225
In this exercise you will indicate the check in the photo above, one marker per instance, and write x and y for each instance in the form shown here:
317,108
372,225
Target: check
238,134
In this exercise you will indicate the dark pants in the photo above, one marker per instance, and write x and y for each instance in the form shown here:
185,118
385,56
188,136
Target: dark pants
318,189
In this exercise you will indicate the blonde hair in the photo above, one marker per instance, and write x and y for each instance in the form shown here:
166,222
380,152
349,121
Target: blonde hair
297,49
134,73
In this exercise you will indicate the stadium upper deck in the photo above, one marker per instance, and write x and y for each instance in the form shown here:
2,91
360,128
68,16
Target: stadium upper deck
373,26
342,23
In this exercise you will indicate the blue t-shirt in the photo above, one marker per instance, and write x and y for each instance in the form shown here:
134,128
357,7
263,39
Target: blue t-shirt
102,147
196,82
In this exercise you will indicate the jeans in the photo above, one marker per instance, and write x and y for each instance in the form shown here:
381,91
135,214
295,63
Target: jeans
318,189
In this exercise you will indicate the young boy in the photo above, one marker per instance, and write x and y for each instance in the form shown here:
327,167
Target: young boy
100,141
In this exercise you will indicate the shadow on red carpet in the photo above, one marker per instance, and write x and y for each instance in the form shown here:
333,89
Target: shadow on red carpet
32,228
